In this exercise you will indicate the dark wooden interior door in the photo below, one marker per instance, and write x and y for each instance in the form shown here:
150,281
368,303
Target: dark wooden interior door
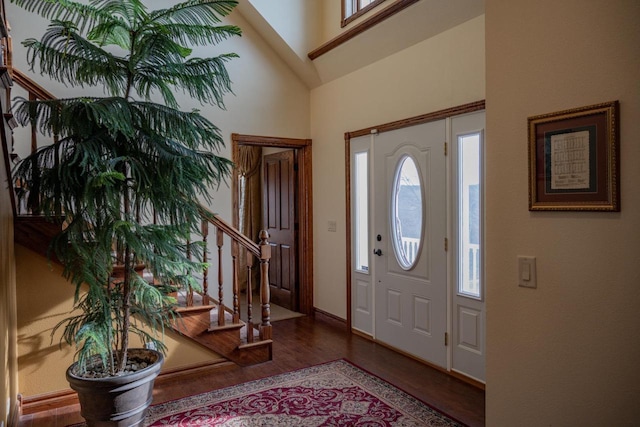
280,221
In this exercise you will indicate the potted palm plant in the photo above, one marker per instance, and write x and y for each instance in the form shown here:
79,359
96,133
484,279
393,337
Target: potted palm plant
127,174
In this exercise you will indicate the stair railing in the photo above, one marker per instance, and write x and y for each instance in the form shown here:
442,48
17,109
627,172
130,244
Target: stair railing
255,251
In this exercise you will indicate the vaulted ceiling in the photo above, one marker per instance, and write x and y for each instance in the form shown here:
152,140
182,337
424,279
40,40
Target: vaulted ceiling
419,21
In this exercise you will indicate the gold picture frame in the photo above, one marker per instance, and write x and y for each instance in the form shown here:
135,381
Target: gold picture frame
574,159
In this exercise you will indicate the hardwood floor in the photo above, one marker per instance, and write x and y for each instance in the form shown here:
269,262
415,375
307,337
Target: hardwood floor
307,341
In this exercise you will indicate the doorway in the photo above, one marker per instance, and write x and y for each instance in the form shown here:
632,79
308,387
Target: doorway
414,252
406,286
301,255
280,219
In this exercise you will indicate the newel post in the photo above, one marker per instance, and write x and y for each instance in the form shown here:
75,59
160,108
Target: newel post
265,257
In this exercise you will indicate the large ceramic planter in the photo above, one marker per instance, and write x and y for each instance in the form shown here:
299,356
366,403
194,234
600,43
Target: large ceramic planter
117,401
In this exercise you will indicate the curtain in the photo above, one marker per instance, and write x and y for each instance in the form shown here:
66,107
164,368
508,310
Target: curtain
250,207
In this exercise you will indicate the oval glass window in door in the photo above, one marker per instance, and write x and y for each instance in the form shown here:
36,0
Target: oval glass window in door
406,212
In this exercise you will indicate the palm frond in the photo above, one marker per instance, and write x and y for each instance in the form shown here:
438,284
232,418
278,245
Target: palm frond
200,34
194,12
206,80
159,49
189,127
114,32
76,116
84,15
132,11
66,56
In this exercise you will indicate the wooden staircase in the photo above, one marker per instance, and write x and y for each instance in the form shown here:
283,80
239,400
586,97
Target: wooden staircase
231,340
209,321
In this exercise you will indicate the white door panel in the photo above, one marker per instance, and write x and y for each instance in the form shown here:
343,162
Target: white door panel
409,228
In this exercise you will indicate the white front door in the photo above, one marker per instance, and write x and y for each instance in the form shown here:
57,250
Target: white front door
409,228
407,196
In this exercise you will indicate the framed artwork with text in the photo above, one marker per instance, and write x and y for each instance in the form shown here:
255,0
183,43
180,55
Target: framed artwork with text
574,162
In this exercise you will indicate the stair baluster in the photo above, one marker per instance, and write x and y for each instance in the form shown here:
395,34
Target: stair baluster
190,290
234,272
221,307
205,272
250,325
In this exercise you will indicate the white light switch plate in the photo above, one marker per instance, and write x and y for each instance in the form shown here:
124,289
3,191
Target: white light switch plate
527,275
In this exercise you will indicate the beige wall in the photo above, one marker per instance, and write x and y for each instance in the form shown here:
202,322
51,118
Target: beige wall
297,22
566,353
441,72
45,298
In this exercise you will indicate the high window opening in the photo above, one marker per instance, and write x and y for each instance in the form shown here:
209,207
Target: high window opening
352,9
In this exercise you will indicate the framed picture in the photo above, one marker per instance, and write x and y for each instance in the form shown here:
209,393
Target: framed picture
574,160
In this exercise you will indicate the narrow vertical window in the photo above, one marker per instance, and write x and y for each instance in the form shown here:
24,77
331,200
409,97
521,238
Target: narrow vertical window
361,193
469,215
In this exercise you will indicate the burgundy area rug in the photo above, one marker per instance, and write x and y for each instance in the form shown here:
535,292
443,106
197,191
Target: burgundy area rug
332,394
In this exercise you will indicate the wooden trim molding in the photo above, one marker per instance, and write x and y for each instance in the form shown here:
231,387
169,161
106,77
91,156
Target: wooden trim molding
384,14
417,120
59,399
326,314
305,204
348,19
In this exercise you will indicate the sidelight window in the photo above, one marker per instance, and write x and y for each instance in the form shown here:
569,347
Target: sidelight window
469,215
361,211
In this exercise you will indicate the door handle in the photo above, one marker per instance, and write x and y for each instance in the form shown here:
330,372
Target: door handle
378,252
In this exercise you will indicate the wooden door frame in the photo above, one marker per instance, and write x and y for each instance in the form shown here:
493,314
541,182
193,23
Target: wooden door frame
399,124
305,205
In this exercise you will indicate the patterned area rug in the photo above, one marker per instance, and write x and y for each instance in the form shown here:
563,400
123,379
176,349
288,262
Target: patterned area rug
332,394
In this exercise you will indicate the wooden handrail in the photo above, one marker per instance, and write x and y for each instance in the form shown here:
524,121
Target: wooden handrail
235,235
28,84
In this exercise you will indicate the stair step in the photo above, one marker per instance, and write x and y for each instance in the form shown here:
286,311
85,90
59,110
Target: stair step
195,308
229,340
198,299
253,353
215,327
255,344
